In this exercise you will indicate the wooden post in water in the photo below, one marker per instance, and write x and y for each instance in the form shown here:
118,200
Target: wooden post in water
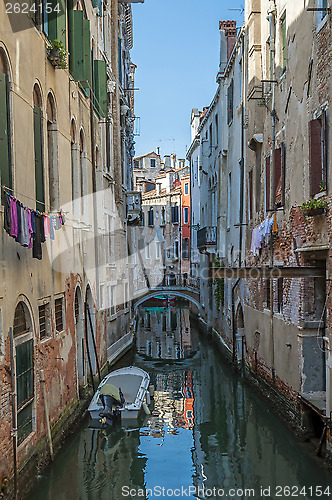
49,436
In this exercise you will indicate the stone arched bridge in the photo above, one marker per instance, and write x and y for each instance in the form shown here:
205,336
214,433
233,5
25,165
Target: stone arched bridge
184,288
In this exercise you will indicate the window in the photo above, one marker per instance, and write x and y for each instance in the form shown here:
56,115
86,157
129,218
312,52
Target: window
112,300
176,249
186,188
157,249
280,294
230,98
278,176
24,371
318,154
152,162
163,216
59,323
5,148
185,248
250,196
44,313
142,218
38,150
211,139
147,251
150,217
175,214
283,44
217,129
229,200
136,163
321,4
268,293
267,183
186,215
52,152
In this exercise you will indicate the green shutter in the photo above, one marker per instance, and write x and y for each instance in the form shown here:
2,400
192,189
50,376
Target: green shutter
39,170
86,52
100,88
5,159
79,46
57,22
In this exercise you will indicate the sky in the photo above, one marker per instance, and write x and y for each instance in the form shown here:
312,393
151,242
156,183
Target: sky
176,49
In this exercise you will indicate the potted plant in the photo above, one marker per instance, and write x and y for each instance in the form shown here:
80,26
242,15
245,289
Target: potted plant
57,54
313,207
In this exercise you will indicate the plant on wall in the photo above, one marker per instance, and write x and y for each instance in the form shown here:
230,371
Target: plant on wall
219,290
57,54
313,207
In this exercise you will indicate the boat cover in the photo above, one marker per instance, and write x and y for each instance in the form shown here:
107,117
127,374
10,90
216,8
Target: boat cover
110,390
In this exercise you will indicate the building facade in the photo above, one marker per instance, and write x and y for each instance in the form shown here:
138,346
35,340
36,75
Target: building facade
66,160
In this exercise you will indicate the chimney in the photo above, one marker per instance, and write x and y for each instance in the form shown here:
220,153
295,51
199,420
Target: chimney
173,161
227,41
157,150
167,162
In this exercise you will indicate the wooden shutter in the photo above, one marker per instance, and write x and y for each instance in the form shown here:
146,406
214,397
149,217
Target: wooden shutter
100,88
315,156
57,22
267,183
5,158
79,46
277,177
39,170
86,52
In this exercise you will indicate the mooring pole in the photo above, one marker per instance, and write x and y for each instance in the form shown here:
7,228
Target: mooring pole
87,345
14,408
49,436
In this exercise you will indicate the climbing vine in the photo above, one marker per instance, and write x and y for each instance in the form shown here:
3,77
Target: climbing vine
219,287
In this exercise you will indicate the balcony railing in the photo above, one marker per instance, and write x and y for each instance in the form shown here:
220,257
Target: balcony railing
207,236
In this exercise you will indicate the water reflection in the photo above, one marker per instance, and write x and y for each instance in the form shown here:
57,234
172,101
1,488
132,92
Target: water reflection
206,429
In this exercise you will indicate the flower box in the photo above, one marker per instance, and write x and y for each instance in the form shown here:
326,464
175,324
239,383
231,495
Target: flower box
316,211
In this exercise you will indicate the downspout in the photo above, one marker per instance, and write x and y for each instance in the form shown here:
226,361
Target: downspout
271,17
242,161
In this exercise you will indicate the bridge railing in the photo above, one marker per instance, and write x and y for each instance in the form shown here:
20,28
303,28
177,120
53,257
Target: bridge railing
174,280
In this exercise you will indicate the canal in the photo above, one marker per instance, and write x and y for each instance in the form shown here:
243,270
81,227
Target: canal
207,431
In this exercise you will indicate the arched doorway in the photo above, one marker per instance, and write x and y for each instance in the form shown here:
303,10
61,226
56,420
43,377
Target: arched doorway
79,334
24,368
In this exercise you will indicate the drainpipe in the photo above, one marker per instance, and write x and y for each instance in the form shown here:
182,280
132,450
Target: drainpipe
242,162
271,18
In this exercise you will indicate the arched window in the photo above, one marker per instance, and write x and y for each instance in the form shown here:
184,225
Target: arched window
5,126
38,149
52,150
24,370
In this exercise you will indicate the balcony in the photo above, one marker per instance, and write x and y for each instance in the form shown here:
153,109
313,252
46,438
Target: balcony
207,239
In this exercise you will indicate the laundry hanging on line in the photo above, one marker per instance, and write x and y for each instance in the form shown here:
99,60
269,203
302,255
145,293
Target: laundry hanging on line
29,227
262,233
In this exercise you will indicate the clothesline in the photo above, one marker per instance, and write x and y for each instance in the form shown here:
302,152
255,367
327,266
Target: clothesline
6,188
29,227
261,234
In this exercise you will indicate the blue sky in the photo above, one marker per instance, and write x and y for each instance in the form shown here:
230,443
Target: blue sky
176,49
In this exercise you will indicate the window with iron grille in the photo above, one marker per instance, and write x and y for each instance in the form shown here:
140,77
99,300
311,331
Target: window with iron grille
185,248
59,326
44,320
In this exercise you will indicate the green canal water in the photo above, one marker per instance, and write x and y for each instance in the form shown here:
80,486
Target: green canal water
208,435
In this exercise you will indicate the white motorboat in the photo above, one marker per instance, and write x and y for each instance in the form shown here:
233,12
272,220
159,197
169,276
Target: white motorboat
125,390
